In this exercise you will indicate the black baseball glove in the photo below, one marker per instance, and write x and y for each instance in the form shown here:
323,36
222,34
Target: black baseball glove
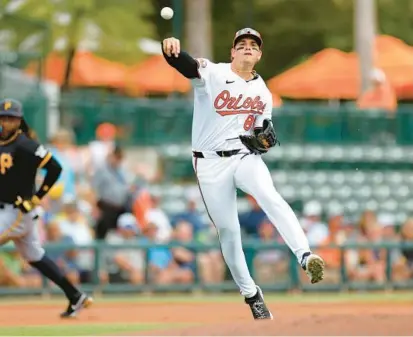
263,140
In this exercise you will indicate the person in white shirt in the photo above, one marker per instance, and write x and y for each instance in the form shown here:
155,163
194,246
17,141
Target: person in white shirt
125,264
317,231
101,147
231,128
74,225
159,218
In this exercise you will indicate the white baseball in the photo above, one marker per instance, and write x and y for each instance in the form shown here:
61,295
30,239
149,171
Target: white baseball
167,13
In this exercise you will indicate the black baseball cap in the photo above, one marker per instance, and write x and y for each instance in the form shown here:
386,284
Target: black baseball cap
11,107
248,32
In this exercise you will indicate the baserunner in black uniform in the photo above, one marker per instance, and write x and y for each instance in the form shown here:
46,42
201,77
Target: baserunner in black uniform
20,158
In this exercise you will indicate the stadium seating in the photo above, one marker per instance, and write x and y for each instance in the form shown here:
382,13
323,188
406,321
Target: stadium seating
351,177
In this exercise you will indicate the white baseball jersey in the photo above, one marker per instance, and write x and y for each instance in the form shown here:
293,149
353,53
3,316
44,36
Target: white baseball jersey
226,106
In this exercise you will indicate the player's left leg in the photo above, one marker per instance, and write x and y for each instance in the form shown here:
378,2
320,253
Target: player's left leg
254,178
30,248
216,184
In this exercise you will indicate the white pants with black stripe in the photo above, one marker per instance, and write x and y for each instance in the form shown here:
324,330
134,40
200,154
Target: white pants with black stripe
218,179
20,228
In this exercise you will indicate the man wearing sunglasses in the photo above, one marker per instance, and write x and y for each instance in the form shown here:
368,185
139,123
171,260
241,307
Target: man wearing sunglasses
231,129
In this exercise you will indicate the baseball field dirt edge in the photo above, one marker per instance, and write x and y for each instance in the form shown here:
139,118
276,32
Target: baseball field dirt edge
399,296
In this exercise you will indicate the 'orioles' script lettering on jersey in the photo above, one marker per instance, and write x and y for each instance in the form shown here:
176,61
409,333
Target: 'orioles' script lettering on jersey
226,106
229,105
20,158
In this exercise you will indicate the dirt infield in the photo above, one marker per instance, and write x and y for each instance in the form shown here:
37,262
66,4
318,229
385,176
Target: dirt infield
231,319
306,320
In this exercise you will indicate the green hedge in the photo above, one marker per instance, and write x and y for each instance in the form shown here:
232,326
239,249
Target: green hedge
158,121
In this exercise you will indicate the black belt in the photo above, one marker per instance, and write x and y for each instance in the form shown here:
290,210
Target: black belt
219,153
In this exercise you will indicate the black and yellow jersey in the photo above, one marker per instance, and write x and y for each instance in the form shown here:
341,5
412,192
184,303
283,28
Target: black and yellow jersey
20,158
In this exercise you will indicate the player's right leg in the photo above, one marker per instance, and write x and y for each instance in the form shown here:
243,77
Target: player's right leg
216,185
254,178
30,248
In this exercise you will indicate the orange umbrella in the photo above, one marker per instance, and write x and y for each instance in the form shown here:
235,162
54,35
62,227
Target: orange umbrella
155,75
87,70
93,71
317,77
396,59
335,74
405,91
276,101
54,68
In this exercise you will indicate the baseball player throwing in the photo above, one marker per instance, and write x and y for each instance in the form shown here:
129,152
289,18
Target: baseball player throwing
20,158
231,128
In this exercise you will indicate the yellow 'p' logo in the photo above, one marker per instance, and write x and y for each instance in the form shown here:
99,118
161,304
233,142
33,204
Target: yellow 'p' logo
6,162
7,105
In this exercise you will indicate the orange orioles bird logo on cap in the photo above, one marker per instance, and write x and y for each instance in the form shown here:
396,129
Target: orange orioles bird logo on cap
7,105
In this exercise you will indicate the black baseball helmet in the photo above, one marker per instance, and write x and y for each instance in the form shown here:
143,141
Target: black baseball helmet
11,107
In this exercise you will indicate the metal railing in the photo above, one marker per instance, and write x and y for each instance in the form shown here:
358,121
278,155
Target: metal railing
252,248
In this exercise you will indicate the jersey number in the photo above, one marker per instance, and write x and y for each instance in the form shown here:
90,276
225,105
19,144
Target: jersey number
6,162
41,152
249,122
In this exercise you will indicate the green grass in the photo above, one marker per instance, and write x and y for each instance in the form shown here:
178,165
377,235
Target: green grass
81,329
225,298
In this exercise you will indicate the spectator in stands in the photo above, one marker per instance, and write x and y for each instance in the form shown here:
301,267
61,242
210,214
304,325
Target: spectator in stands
211,263
61,146
125,265
191,214
367,265
63,150
141,204
99,149
251,220
389,233
185,258
388,224
336,236
65,258
73,224
380,96
403,267
162,267
15,272
52,203
158,217
316,230
112,192
367,219
271,264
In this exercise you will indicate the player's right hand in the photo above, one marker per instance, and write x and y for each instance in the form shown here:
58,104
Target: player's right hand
171,46
24,205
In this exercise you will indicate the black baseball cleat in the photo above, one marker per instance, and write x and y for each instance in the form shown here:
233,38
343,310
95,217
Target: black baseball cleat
76,304
257,305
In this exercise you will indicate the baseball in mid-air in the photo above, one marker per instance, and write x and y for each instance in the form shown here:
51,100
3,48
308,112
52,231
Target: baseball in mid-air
167,13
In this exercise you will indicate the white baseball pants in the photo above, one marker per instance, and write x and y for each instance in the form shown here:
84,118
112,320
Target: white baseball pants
20,228
218,179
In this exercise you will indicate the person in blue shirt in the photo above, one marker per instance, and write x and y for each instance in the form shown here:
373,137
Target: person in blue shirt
250,221
192,216
68,177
